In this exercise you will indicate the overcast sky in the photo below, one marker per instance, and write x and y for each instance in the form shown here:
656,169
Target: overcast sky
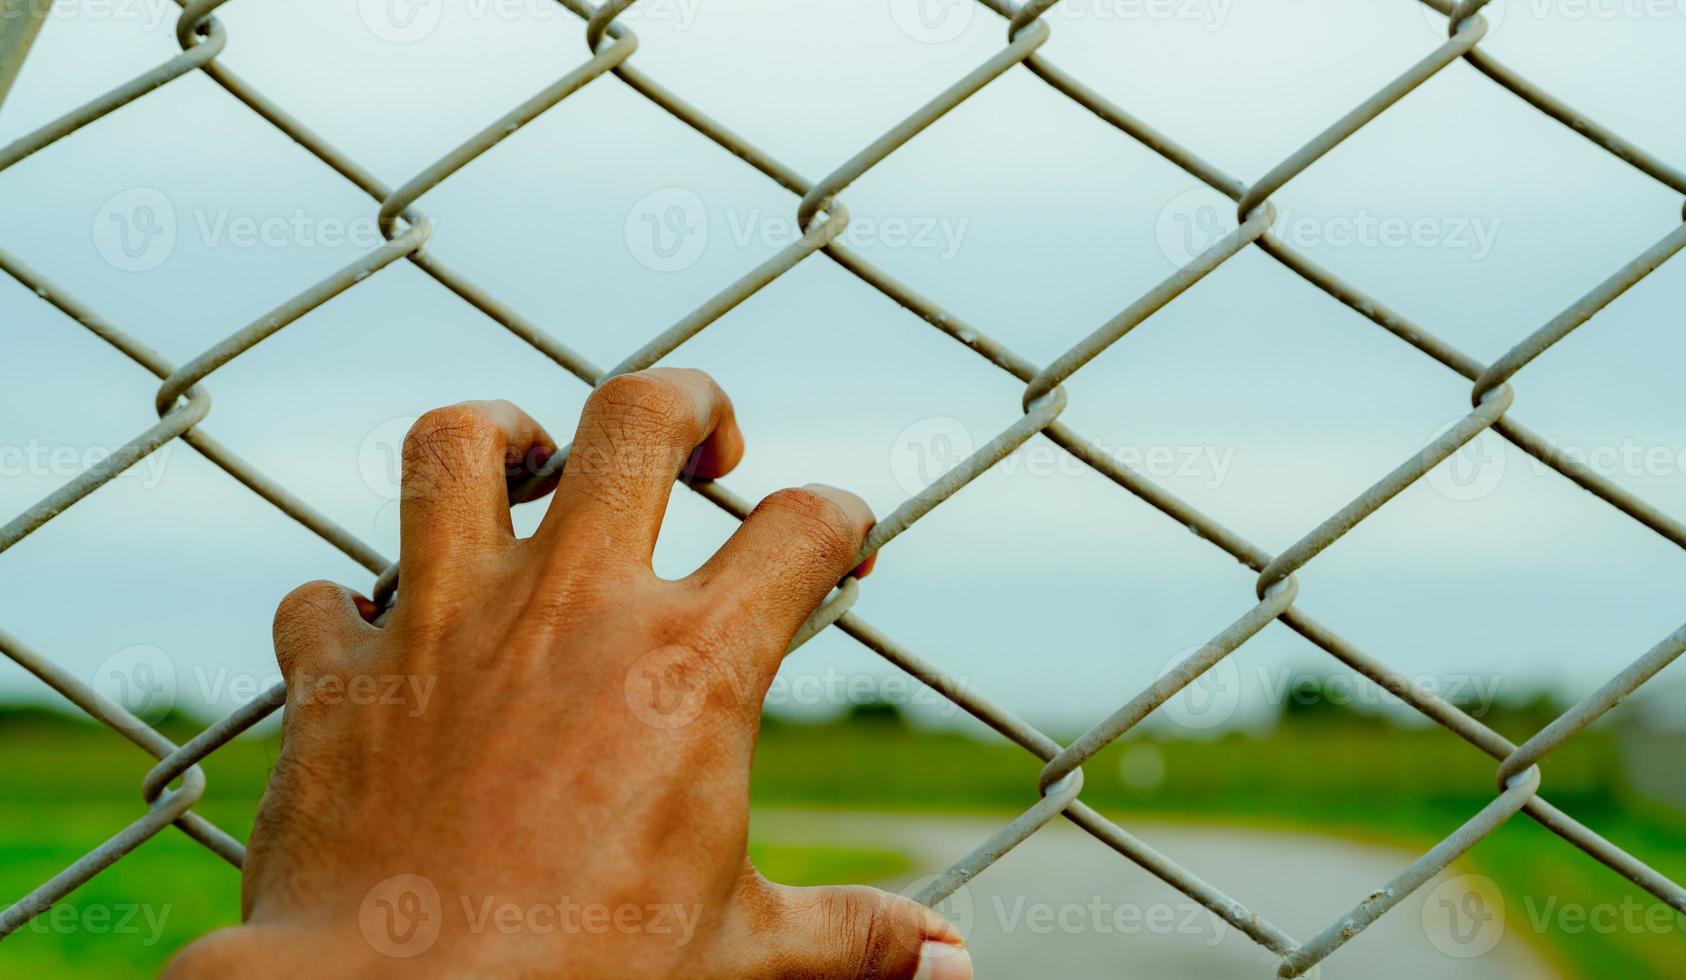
1269,405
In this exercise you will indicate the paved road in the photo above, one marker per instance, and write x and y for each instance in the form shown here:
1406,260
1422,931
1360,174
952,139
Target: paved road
1063,905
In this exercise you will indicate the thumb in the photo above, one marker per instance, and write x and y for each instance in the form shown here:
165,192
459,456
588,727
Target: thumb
854,933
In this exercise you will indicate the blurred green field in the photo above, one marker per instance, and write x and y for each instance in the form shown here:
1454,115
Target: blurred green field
69,786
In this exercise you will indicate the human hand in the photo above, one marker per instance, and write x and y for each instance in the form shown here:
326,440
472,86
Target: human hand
521,745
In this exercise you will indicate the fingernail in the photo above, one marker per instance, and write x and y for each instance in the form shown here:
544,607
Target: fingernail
943,961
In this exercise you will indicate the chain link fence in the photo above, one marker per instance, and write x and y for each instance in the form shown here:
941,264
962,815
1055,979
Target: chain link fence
183,404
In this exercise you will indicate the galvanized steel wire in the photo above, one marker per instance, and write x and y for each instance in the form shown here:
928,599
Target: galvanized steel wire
183,405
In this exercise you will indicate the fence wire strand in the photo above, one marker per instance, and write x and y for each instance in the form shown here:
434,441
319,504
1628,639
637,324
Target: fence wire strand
183,403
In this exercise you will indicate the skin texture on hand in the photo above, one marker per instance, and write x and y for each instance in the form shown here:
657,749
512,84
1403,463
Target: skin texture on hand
538,766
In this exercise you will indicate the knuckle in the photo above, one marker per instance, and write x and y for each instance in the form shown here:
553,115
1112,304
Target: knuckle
308,603
639,403
817,518
695,376
442,428
301,615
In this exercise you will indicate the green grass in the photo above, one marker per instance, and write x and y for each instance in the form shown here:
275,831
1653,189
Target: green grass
70,787
1344,775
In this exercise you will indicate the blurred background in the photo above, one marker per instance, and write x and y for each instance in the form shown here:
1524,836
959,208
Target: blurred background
1281,778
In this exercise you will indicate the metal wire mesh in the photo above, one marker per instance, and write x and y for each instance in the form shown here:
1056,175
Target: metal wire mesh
183,404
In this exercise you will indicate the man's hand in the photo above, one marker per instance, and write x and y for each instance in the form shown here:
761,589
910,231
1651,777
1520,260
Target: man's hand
539,765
